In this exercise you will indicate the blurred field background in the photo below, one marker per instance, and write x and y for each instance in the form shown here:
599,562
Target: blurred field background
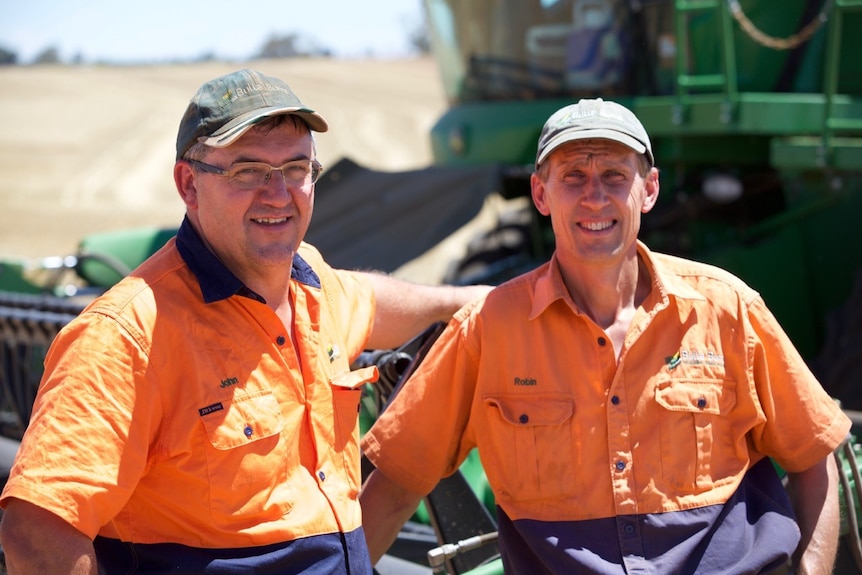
87,149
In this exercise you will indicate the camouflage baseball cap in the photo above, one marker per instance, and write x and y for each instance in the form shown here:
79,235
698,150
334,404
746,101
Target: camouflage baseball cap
593,119
224,108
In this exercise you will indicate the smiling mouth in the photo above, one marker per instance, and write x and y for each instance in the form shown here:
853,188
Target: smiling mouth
597,226
269,220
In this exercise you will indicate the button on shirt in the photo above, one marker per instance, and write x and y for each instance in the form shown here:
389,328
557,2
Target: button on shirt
613,466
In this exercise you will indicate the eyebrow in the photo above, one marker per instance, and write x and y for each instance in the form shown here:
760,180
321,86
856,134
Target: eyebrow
602,163
249,159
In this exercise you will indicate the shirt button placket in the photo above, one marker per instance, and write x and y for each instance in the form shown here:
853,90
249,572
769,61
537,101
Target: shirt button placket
631,544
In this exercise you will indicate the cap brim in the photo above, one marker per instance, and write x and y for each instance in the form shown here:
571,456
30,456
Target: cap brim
231,131
604,134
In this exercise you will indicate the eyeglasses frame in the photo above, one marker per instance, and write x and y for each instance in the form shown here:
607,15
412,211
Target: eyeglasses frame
316,169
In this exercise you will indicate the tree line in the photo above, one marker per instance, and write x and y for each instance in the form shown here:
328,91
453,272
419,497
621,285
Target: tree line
291,45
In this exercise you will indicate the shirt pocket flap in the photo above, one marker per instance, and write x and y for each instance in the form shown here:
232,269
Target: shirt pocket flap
355,379
521,410
242,420
712,396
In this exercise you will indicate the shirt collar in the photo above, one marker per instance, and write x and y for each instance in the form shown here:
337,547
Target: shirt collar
665,279
216,281
549,286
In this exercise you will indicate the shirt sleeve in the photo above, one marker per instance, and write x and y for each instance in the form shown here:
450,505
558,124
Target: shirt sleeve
425,432
803,423
88,440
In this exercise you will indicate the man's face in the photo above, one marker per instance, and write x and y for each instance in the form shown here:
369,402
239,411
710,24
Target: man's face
595,195
254,230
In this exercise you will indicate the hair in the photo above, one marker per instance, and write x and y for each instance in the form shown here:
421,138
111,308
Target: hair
198,151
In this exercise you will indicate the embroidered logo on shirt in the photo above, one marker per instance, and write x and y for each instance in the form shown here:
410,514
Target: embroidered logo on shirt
693,357
525,381
210,409
672,361
333,352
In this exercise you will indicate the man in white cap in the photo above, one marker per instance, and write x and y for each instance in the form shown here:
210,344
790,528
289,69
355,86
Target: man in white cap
627,406
201,416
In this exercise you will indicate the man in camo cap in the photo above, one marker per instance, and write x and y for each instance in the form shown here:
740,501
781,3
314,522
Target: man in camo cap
202,415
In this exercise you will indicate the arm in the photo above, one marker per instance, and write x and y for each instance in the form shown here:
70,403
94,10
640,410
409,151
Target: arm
386,506
814,494
404,309
37,541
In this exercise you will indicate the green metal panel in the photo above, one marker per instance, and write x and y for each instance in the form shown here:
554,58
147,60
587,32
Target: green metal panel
491,132
12,277
492,568
507,132
801,152
706,150
829,205
755,113
775,266
104,255
758,68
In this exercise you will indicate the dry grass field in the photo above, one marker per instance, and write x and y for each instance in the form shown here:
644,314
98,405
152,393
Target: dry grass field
91,149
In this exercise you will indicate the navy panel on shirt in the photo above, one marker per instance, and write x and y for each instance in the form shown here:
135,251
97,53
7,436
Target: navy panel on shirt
754,532
217,282
332,554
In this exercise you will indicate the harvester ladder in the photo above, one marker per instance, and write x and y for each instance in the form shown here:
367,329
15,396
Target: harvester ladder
724,80
834,124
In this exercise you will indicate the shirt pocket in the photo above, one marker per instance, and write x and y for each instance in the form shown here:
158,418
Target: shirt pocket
698,450
243,420
247,462
528,444
347,389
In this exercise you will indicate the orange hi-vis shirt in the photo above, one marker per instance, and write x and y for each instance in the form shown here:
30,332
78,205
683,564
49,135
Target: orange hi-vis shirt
642,465
178,409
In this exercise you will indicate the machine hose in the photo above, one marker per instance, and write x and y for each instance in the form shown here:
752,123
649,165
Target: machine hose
792,41
438,556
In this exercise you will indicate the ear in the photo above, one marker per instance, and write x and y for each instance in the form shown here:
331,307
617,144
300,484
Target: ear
537,187
651,188
186,182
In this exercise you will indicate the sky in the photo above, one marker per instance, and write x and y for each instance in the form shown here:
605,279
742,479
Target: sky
164,30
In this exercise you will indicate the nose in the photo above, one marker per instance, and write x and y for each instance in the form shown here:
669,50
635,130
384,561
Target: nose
594,192
277,189
282,175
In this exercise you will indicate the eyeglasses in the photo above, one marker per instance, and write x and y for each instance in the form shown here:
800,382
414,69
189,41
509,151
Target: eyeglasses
249,175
